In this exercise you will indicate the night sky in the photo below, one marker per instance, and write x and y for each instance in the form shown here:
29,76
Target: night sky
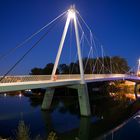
116,24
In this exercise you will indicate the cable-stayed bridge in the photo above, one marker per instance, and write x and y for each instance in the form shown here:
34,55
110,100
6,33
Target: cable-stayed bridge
15,83
50,82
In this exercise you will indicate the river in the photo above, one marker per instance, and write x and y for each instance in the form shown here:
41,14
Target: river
64,118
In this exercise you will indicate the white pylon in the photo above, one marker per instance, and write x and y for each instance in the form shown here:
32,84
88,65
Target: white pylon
138,69
71,16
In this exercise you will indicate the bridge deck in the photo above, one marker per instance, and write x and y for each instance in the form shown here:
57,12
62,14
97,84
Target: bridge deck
14,83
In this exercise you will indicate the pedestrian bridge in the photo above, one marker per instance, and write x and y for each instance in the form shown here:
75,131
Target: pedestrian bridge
79,82
15,83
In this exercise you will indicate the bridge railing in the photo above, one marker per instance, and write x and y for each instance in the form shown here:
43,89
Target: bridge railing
28,78
24,78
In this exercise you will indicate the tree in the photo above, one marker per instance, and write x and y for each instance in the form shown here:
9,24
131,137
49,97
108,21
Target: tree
48,69
74,68
88,65
119,65
36,71
98,65
23,131
105,65
64,69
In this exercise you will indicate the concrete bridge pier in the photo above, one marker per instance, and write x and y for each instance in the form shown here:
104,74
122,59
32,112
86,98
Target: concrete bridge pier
47,99
83,98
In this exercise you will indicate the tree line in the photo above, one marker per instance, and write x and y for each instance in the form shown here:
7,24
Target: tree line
106,65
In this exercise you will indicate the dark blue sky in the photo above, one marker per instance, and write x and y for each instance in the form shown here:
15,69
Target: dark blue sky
116,23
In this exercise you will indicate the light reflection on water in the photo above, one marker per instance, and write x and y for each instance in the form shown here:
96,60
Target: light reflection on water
67,124
15,108
128,130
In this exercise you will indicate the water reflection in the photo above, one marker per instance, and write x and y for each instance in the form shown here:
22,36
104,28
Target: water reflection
47,121
63,118
68,127
84,129
129,129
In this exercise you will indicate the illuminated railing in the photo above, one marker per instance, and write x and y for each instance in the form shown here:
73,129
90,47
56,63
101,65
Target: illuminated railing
28,78
24,78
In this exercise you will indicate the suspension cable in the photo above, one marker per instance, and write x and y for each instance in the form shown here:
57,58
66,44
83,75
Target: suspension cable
87,58
84,21
31,36
71,29
28,51
76,55
92,37
90,44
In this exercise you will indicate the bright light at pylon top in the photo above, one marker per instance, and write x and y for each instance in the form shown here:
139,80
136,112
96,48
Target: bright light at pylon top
139,60
72,13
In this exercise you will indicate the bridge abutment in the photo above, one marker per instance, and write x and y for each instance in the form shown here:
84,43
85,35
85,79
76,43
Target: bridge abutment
47,99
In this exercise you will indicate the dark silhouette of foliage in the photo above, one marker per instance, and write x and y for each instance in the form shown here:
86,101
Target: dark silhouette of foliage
36,71
47,70
63,69
100,65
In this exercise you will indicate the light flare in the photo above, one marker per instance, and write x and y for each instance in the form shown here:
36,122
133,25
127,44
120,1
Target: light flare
71,13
